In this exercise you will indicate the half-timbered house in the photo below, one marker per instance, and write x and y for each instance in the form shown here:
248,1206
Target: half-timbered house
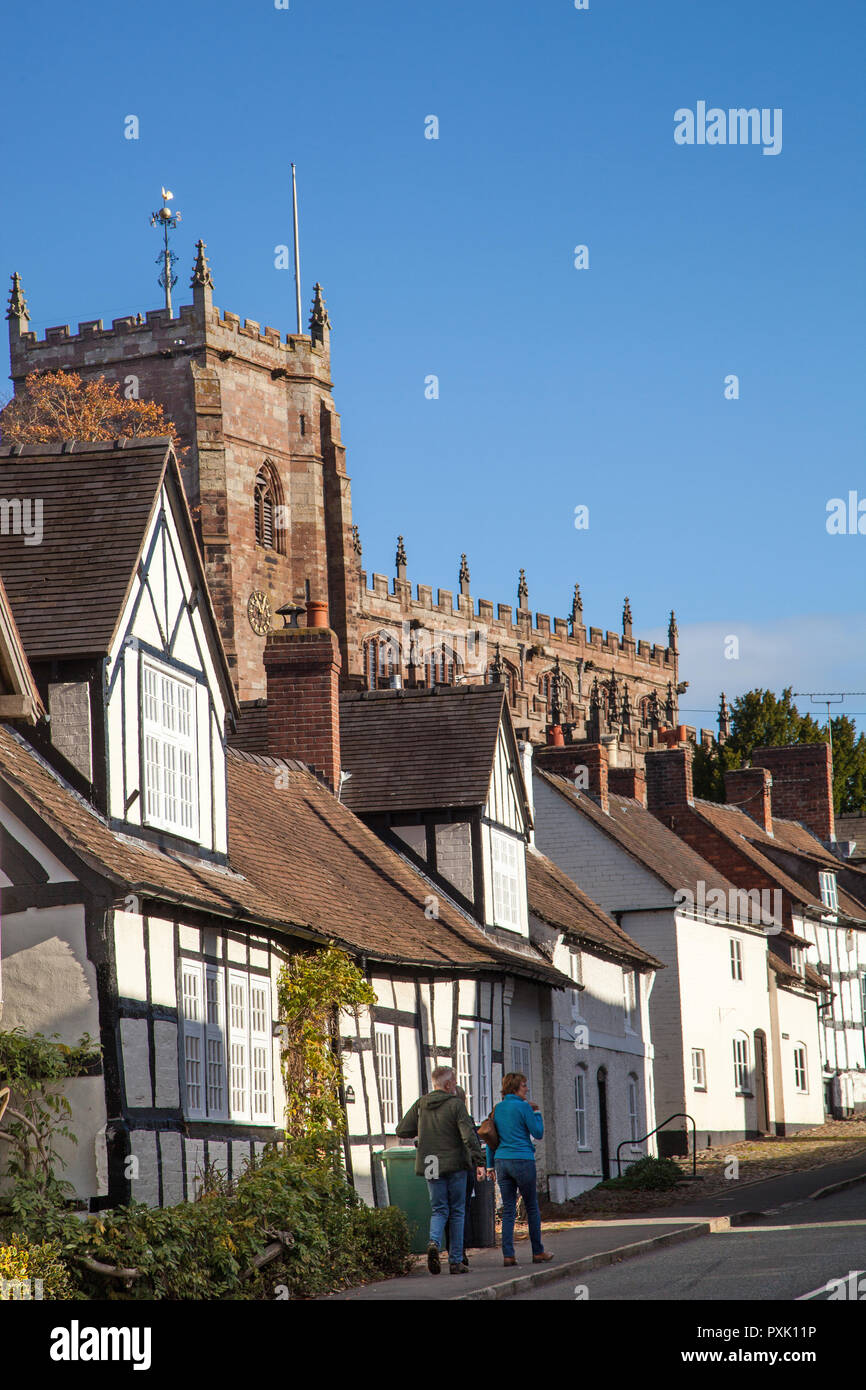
154,882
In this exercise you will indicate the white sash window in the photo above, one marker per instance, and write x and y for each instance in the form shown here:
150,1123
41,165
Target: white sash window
385,1066
226,1044
168,732
506,881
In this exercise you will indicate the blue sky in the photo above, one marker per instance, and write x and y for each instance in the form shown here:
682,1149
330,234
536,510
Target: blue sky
455,257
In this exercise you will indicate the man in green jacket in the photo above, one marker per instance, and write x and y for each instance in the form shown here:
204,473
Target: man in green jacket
447,1146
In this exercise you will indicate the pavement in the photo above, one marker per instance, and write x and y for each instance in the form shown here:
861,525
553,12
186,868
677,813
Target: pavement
594,1244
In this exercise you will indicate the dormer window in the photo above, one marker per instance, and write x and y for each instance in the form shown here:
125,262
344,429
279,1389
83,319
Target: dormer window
269,512
169,748
829,893
797,959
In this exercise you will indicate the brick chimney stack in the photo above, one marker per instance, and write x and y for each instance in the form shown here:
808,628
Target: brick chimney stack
583,764
628,781
669,778
802,785
749,788
303,673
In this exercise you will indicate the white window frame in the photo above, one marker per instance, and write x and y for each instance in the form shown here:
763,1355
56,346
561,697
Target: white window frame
863,998
629,999
736,958
801,1069
522,1063
633,1108
797,959
223,1044
829,890
507,881
699,1069
581,1119
475,1066
485,1070
385,1044
169,753
742,1065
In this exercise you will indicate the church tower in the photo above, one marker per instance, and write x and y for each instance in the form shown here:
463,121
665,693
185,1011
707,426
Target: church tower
264,466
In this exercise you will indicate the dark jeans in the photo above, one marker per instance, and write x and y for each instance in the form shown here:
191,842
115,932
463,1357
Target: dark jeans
518,1175
448,1207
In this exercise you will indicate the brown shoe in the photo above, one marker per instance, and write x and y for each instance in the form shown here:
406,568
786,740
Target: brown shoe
509,1260
542,1259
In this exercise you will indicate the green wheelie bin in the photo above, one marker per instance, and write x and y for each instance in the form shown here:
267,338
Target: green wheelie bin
408,1191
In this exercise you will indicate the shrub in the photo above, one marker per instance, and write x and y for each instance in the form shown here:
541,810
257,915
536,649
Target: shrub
205,1249
22,1264
647,1175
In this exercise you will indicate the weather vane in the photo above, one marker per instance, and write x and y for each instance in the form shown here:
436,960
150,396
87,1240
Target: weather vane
168,220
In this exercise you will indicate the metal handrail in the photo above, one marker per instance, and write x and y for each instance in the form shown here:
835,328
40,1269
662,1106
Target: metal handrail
681,1115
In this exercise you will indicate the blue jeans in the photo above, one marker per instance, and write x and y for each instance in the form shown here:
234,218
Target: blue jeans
518,1175
448,1203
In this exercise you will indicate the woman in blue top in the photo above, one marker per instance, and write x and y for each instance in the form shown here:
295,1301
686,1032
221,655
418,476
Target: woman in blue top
518,1121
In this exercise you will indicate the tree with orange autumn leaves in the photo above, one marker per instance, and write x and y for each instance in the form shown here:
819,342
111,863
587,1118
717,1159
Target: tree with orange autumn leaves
63,405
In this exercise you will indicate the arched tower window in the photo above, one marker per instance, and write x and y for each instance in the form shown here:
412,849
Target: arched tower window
381,660
441,666
270,512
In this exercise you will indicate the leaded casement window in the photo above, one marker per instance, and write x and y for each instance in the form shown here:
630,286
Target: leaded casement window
741,1064
829,891
169,745
464,1065
580,1108
269,510
226,1044
699,1069
629,998
386,1068
506,881
801,1082
736,958
633,1109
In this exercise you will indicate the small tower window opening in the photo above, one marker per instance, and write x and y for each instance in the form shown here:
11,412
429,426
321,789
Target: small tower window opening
303,422
269,511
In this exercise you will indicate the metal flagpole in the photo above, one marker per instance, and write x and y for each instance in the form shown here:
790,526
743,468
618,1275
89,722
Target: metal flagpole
297,254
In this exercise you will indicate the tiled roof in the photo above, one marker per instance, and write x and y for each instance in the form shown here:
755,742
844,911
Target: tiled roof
300,862
411,750
557,900
67,592
749,839
791,839
788,977
644,837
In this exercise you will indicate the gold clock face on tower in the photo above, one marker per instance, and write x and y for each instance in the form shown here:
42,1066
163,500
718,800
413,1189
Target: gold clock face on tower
259,612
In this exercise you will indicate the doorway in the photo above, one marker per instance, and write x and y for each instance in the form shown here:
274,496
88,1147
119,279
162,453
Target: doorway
602,1122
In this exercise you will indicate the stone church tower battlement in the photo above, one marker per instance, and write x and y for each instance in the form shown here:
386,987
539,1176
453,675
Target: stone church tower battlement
265,473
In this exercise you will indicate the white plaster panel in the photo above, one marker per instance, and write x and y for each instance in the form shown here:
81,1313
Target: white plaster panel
194,1158
136,1063
171,1146
468,997
189,938
145,1188
218,1157
163,966
240,1156
384,991
404,993
258,957
165,1047
129,951
237,949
